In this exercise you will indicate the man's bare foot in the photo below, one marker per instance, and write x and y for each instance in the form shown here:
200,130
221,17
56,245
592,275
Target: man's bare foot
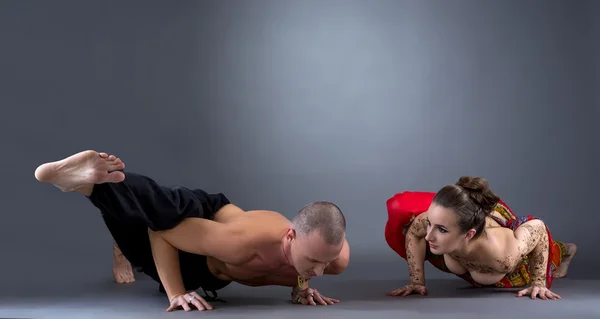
564,265
121,267
83,168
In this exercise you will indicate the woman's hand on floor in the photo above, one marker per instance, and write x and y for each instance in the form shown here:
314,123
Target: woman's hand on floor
409,289
536,290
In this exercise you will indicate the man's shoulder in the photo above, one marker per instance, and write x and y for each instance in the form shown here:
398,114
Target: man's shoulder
261,226
259,216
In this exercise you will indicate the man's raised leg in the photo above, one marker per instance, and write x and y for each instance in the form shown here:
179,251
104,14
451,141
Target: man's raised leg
80,172
129,203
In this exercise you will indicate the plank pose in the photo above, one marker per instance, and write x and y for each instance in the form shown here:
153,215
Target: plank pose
465,229
187,239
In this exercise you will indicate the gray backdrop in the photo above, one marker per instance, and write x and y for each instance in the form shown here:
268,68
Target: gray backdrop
280,103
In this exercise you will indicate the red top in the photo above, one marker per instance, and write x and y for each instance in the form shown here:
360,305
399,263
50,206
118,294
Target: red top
402,208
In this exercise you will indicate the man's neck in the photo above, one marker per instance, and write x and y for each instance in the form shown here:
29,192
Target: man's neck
284,256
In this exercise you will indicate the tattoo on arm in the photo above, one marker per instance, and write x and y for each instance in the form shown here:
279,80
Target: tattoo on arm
534,243
415,250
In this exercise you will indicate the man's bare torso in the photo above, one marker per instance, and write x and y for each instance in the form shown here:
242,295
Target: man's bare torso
262,265
495,256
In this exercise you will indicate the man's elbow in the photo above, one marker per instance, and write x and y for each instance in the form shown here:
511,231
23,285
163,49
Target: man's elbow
341,263
337,267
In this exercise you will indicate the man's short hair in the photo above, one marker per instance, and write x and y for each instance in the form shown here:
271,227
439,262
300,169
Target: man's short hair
323,217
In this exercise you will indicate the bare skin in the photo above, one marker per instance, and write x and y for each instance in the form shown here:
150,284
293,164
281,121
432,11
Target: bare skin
122,270
488,259
79,172
561,272
238,245
85,168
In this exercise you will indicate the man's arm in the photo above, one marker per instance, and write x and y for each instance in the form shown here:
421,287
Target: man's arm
339,265
197,236
227,242
166,259
334,268
532,238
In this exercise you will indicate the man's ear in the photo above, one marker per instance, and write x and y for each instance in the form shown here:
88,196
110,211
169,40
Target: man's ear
291,234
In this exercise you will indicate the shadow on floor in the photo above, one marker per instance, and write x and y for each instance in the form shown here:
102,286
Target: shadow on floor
445,297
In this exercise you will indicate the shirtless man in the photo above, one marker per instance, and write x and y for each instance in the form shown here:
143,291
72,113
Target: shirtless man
465,229
187,239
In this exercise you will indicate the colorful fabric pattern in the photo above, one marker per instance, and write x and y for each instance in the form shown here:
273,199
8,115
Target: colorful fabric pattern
404,207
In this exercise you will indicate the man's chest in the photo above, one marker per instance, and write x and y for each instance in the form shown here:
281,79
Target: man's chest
260,271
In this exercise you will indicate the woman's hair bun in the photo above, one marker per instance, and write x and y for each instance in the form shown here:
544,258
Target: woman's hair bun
479,192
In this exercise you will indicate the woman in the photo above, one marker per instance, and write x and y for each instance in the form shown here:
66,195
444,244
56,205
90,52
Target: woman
465,229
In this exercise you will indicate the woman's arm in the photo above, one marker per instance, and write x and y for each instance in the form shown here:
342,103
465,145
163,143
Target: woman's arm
416,247
532,238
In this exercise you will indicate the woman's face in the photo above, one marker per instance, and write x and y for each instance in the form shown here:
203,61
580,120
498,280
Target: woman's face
443,233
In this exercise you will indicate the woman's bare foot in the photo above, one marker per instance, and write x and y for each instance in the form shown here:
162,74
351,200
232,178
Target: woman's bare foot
121,267
564,265
83,168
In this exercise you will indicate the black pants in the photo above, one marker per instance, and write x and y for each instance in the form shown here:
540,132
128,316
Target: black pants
131,207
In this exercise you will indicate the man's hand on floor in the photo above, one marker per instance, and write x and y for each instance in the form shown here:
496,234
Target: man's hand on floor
311,297
192,298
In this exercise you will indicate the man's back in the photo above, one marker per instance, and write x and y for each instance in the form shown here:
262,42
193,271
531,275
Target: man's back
247,245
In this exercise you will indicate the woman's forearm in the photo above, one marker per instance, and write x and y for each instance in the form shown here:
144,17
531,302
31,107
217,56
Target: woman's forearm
166,259
416,246
538,260
415,257
533,242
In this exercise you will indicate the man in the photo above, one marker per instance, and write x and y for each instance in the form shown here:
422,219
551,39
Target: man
187,239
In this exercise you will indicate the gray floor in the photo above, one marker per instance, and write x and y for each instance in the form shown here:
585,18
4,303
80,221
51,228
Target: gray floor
100,298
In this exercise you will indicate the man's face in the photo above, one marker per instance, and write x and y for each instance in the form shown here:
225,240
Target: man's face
443,234
311,255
